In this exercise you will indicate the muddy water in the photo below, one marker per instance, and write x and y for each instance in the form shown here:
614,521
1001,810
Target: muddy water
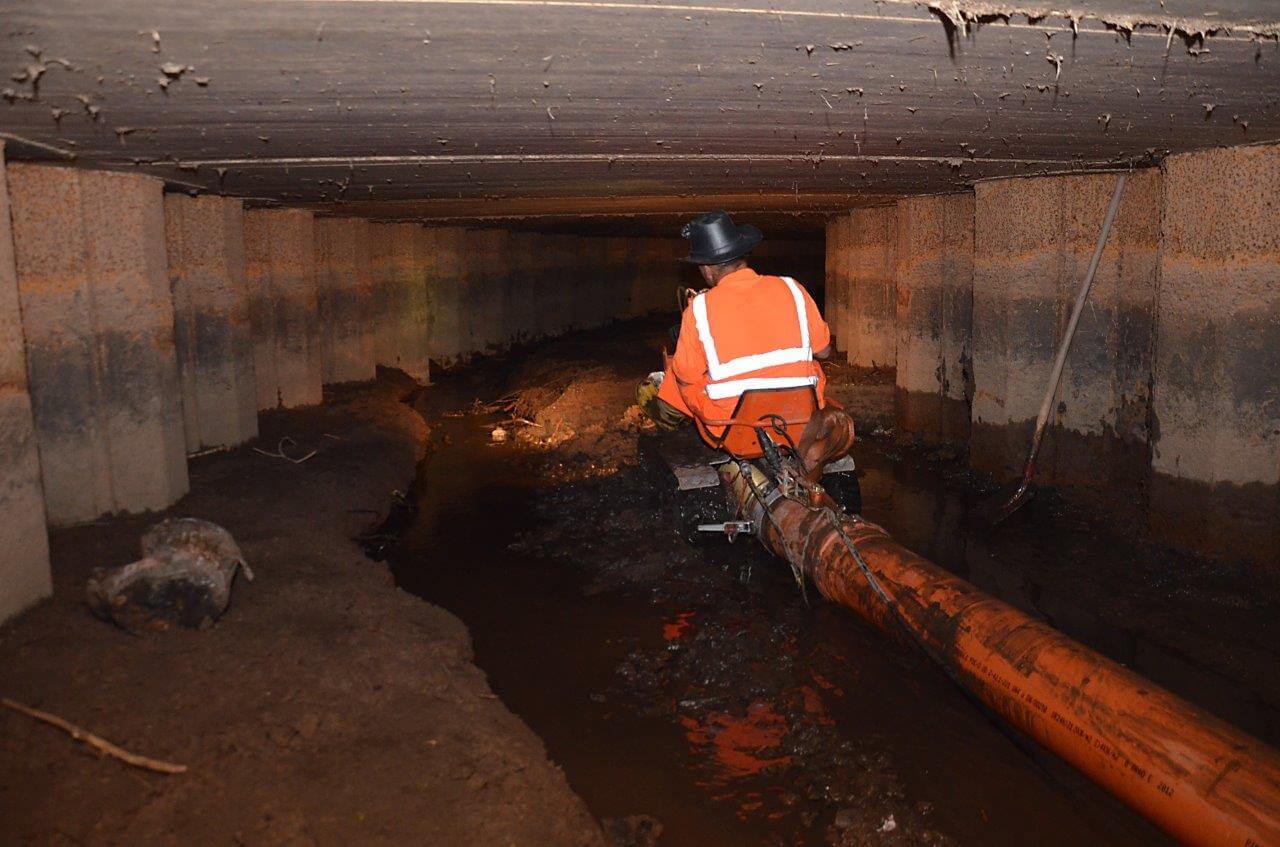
551,653
712,698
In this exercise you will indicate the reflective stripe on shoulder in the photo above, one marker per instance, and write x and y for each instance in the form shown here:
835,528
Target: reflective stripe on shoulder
704,333
797,295
735,387
718,370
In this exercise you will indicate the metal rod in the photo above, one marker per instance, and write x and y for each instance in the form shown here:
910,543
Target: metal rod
1055,377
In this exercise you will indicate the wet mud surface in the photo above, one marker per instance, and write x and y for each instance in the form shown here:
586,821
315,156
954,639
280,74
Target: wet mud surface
324,707
695,685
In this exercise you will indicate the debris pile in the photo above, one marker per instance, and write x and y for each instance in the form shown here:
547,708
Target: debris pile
184,577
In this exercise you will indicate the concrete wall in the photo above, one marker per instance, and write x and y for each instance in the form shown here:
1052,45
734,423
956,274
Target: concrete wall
863,302
280,265
1216,406
344,299
204,238
24,565
1034,238
873,336
1170,399
98,321
837,282
650,265
402,266
449,325
525,257
934,281
492,288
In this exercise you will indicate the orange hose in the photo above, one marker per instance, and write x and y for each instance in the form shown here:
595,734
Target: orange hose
1200,779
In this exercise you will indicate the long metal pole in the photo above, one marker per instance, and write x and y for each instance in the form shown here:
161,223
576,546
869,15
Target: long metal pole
1055,376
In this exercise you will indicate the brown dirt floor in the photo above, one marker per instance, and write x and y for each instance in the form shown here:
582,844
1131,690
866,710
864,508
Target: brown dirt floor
325,707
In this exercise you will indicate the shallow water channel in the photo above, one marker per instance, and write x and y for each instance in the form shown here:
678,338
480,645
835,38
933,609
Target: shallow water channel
554,650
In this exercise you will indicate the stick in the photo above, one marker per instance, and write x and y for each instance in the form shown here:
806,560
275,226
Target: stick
95,741
207,452
1055,376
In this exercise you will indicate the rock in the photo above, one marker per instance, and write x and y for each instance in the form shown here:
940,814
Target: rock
633,831
185,576
499,434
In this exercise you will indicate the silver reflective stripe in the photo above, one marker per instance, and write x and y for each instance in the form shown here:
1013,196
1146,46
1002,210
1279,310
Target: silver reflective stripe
735,387
718,370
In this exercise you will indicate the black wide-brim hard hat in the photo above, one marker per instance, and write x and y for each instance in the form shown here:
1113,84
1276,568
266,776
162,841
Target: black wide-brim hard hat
715,239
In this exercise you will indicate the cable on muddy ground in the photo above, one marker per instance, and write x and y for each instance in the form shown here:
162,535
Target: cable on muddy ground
792,558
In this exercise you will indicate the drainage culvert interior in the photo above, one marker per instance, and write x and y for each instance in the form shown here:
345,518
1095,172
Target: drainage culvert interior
264,261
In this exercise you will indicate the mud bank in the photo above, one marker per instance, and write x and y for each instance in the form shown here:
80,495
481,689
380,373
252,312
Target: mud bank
326,707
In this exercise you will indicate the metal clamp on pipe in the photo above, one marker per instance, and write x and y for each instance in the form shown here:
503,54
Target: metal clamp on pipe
731,529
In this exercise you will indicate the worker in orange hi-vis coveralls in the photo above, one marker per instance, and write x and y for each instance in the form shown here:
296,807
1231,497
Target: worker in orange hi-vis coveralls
746,332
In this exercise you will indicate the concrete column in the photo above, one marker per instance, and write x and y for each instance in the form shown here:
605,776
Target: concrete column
636,282
831,286
583,270
545,303
501,282
479,298
667,271
423,312
934,280
431,244
392,264
872,314
509,275
204,237
657,280
510,281
658,265
477,310
381,245
404,336
661,266
24,567
449,321
98,318
479,306
844,284
1216,406
1034,238
262,306
612,285
281,270
559,310
526,265
344,292
552,301
613,282
580,306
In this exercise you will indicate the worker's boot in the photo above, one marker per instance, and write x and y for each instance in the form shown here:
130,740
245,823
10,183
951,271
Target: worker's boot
828,436
662,413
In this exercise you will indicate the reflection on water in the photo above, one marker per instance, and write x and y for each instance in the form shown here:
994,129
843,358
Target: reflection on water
911,501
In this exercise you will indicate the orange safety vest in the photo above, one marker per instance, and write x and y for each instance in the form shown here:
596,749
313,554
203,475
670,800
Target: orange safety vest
749,332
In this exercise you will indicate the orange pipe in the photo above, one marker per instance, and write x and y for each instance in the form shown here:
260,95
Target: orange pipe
1200,779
